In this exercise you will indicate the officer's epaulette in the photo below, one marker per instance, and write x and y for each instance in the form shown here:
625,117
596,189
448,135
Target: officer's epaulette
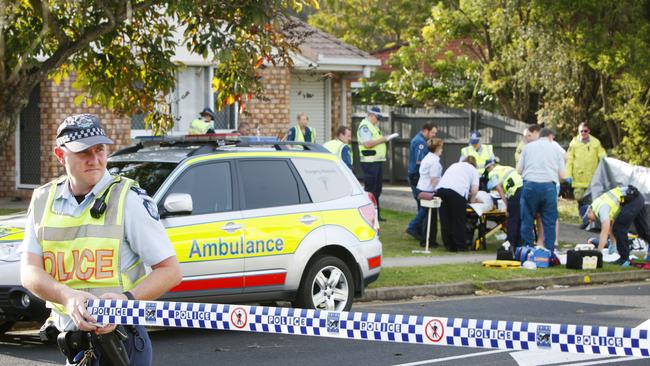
139,191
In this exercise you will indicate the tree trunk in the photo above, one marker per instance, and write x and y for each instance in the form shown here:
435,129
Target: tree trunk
611,127
12,101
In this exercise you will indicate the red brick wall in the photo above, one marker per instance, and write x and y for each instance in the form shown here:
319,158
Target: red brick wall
272,114
57,103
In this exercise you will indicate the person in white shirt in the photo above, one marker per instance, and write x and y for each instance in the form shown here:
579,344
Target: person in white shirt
430,173
457,187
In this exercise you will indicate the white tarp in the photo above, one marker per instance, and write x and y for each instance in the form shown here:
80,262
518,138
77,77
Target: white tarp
612,172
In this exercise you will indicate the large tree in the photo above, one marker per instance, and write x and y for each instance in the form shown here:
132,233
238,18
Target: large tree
121,50
372,24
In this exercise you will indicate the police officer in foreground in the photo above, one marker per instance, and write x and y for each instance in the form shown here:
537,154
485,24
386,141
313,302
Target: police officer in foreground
340,146
617,209
505,180
89,235
372,153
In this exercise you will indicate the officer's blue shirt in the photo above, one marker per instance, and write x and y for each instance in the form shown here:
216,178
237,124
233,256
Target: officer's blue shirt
417,151
346,156
291,135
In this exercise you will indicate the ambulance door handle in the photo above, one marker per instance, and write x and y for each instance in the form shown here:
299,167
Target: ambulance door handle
308,219
231,227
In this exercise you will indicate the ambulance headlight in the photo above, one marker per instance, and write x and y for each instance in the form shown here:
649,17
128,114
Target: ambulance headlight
9,251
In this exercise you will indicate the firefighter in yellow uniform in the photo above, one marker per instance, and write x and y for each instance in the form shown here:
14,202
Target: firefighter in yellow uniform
481,152
508,183
340,146
617,209
89,235
582,158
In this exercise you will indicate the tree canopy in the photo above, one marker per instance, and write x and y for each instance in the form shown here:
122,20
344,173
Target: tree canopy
545,61
121,50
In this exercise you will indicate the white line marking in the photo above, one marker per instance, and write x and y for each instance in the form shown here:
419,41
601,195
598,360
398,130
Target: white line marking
542,357
438,360
614,361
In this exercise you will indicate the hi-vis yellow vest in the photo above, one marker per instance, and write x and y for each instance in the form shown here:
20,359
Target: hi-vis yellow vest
300,137
485,155
376,153
611,198
83,252
336,147
199,127
508,179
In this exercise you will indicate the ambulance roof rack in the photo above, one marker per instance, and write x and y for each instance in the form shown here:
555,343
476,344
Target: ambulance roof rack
212,142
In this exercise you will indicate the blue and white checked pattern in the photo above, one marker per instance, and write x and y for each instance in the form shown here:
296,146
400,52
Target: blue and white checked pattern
89,132
377,327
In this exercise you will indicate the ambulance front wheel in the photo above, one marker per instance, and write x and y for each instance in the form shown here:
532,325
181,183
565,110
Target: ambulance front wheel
328,285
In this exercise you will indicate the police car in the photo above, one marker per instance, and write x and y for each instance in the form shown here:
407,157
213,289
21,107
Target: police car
250,222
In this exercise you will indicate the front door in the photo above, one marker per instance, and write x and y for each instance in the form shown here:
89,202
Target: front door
28,162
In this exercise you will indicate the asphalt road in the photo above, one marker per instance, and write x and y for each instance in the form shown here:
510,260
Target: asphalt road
623,305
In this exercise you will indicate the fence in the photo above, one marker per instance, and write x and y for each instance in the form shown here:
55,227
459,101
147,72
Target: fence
454,127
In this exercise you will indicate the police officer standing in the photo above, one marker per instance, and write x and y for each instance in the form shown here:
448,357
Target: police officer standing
203,125
372,152
90,234
301,132
617,209
480,152
340,146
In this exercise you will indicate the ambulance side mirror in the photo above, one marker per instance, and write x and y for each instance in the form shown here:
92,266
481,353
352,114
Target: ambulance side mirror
177,204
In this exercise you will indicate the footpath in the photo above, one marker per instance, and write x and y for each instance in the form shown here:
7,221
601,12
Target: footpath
399,198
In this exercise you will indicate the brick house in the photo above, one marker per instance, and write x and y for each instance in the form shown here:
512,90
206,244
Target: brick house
318,84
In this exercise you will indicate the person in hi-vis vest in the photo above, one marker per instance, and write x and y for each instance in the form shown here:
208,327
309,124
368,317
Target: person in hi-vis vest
480,152
89,235
301,132
617,209
203,125
372,152
340,146
505,180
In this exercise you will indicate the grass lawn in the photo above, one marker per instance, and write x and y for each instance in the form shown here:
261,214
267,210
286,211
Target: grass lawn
568,211
396,243
471,272
9,211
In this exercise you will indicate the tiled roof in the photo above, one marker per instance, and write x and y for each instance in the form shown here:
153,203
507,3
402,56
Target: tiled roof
319,45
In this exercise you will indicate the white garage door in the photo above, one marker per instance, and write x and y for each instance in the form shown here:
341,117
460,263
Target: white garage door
310,95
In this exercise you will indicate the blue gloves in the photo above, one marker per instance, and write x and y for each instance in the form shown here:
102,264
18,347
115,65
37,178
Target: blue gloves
569,181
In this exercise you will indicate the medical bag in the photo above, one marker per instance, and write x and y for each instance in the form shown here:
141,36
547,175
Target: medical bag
541,257
581,258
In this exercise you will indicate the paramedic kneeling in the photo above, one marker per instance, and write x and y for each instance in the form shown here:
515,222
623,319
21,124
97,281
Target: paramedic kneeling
616,210
89,235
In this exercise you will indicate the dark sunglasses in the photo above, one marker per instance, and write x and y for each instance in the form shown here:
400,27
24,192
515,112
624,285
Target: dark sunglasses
584,130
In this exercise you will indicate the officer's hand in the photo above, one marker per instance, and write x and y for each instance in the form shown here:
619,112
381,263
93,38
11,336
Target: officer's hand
110,296
76,307
568,180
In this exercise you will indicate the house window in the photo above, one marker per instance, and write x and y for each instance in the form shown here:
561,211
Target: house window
193,93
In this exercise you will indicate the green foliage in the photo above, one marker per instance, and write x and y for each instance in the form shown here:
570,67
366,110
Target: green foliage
546,61
122,50
372,24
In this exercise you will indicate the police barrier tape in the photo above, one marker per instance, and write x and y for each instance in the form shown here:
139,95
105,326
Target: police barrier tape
377,327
